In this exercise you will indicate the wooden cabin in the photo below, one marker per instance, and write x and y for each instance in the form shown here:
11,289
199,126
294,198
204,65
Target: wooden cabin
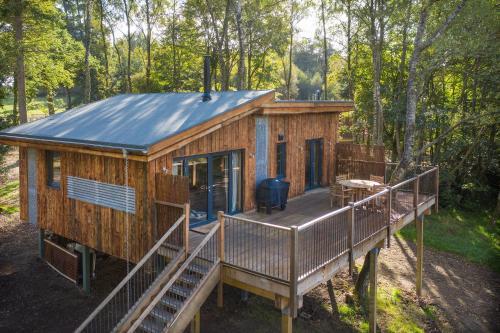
83,169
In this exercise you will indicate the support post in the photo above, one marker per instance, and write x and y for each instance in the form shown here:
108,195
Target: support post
286,323
437,190
415,194
372,303
389,217
220,287
294,277
86,269
187,212
350,237
420,253
41,243
196,323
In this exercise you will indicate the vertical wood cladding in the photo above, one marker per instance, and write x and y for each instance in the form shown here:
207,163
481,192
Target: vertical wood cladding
101,228
23,184
236,135
296,130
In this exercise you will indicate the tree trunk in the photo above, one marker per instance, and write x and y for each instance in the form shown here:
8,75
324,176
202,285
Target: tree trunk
20,71
361,287
126,7
88,21
50,101
148,46
325,51
241,44
105,49
173,40
68,98
350,74
290,61
376,41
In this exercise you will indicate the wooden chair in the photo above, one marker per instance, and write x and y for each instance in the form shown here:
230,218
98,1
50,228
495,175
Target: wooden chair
340,178
379,203
340,193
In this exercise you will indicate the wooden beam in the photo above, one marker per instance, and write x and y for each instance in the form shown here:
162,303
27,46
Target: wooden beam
372,301
420,253
41,243
255,284
74,148
286,323
86,269
196,323
187,212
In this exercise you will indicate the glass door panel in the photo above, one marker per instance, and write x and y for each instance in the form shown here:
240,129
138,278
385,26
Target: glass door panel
220,183
198,188
236,181
314,152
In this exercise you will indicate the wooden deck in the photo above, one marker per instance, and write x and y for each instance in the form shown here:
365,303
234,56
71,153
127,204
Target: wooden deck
266,251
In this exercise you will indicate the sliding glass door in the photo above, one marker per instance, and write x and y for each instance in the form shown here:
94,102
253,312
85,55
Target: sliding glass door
314,154
215,184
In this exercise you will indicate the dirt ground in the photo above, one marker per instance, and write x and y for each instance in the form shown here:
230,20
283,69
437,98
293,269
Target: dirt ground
34,298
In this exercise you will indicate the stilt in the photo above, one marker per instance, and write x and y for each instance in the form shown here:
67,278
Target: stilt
420,253
286,323
372,302
244,296
86,269
41,243
220,294
195,324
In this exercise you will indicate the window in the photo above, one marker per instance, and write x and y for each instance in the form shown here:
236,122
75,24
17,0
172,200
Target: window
281,160
53,169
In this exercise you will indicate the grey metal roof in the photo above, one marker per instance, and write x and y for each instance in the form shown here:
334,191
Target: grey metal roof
133,121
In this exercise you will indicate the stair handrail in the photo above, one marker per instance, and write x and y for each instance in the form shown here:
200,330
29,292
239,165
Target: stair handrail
174,277
144,259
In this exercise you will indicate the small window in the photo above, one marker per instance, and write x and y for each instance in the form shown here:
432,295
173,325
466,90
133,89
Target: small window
53,169
281,160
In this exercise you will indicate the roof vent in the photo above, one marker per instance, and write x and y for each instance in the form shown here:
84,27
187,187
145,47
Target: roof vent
206,79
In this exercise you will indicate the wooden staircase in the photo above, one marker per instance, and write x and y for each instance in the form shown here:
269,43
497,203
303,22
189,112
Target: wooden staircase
180,299
166,289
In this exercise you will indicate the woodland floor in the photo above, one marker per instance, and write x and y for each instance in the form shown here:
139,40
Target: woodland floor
460,296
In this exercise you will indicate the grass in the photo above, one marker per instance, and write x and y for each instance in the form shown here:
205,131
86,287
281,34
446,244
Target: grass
36,106
396,313
470,234
9,196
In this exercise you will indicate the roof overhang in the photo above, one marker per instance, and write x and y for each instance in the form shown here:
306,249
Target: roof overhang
300,107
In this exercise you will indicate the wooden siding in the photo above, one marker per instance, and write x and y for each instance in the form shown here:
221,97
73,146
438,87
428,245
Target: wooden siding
237,135
23,184
297,129
100,228
172,189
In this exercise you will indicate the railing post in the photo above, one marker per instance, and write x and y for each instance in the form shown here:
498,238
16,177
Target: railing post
437,189
350,237
187,212
294,257
389,216
220,288
415,195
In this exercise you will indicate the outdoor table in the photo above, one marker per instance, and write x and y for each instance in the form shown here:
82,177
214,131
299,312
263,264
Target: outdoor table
358,185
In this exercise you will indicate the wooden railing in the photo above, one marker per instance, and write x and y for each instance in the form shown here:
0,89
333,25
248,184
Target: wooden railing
258,247
128,293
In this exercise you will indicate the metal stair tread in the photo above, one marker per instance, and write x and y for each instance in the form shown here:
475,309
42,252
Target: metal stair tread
180,290
150,325
161,314
189,278
171,302
196,268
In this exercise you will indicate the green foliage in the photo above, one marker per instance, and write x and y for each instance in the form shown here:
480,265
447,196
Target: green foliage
9,195
470,234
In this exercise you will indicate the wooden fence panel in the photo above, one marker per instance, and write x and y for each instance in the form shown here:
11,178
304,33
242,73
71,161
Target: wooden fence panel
63,261
172,189
359,161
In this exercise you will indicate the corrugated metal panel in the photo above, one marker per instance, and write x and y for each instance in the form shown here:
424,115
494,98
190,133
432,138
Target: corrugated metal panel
261,148
108,195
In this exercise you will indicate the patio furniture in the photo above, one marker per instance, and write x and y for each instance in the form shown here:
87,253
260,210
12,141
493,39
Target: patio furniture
340,193
378,179
359,185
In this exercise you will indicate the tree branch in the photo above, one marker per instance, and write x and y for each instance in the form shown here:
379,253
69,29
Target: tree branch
446,24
